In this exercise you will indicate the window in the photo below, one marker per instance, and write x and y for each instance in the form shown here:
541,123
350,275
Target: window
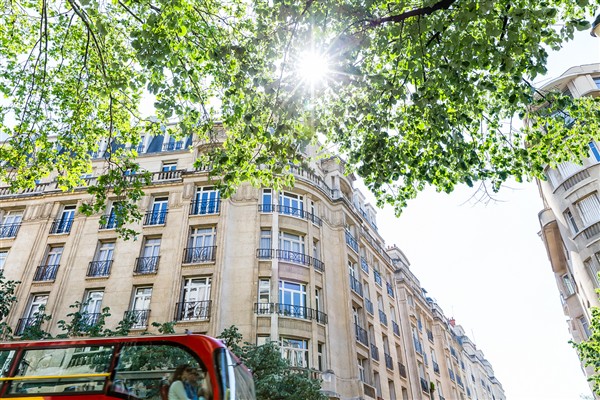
392,390
201,245
585,327
292,299
267,201
11,222
589,208
571,221
158,214
92,306
264,290
147,263
47,271
295,351
320,357
111,217
377,383
207,201
291,248
169,166
195,297
590,266
291,204
595,150
36,303
3,256
265,250
103,260
140,307
568,284
64,222
362,375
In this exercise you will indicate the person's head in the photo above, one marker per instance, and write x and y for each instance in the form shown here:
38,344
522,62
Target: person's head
193,375
181,373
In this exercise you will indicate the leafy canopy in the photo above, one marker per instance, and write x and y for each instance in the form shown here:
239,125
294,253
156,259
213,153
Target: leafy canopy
415,94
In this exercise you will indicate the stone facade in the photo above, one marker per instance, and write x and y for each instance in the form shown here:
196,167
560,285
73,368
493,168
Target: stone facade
304,266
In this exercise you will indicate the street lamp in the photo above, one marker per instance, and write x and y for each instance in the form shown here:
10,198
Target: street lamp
596,27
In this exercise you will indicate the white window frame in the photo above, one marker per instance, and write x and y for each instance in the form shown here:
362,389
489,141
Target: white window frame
295,351
3,257
291,204
168,166
264,290
571,221
206,201
105,251
93,298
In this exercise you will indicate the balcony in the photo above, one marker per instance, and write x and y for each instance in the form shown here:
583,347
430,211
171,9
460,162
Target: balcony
294,311
61,225
45,273
364,266
575,179
389,363
196,255
377,276
111,222
383,318
452,376
418,346
146,265
453,353
293,256
193,310
591,231
173,146
263,254
424,385
351,241
162,176
356,286
318,264
390,289
374,352
402,370
369,306
290,310
291,211
155,218
459,381
395,328
264,308
436,367
205,207
99,268
139,318
9,230
25,323
361,335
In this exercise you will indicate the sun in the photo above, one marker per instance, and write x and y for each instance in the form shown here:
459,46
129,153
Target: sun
313,68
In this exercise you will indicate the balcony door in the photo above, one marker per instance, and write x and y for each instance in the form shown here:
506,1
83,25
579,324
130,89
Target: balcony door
66,219
196,294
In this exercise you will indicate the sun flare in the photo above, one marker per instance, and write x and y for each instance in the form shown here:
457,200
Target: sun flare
313,68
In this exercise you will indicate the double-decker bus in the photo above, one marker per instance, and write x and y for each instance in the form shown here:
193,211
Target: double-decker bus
120,368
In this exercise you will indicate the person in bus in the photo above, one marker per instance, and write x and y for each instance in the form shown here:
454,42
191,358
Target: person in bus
177,390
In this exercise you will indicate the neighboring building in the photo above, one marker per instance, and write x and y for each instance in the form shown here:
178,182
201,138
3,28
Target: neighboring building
305,267
570,220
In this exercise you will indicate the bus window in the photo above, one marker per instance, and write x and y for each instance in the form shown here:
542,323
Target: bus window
143,368
72,370
235,378
6,358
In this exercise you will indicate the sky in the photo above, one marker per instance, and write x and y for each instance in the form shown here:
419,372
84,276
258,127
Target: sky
487,267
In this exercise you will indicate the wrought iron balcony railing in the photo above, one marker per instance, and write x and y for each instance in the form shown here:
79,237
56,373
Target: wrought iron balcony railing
429,335
293,256
356,286
45,273
424,385
418,346
377,276
193,310
395,328
205,207
390,289
146,265
99,268
389,363
9,230
291,211
139,318
361,335
111,222
290,310
318,264
436,367
194,255
264,308
265,253
402,370
61,225
374,352
369,306
383,318
364,265
351,241
155,218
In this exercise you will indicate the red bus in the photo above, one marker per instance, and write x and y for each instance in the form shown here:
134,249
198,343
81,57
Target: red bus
120,368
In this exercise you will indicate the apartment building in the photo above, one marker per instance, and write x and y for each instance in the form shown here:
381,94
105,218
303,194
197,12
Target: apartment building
305,267
570,220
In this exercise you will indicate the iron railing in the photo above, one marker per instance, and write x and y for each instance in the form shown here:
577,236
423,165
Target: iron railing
111,222
418,346
389,363
171,146
390,289
9,230
402,370
429,335
374,352
351,241
193,310
395,328
318,264
99,268
146,265
265,253
377,276
451,373
45,273
61,225
356,286
193,255
205,207
361,335
264,308
436,367
293,256
364,265
138,317
382,317
369,306
424,385
155,218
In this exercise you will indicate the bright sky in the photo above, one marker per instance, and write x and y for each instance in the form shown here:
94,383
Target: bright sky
487,267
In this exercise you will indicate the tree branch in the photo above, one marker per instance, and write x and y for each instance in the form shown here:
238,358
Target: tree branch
441,5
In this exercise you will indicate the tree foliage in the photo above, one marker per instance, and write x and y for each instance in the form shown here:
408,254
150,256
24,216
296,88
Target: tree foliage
273,377
589,350
416,93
